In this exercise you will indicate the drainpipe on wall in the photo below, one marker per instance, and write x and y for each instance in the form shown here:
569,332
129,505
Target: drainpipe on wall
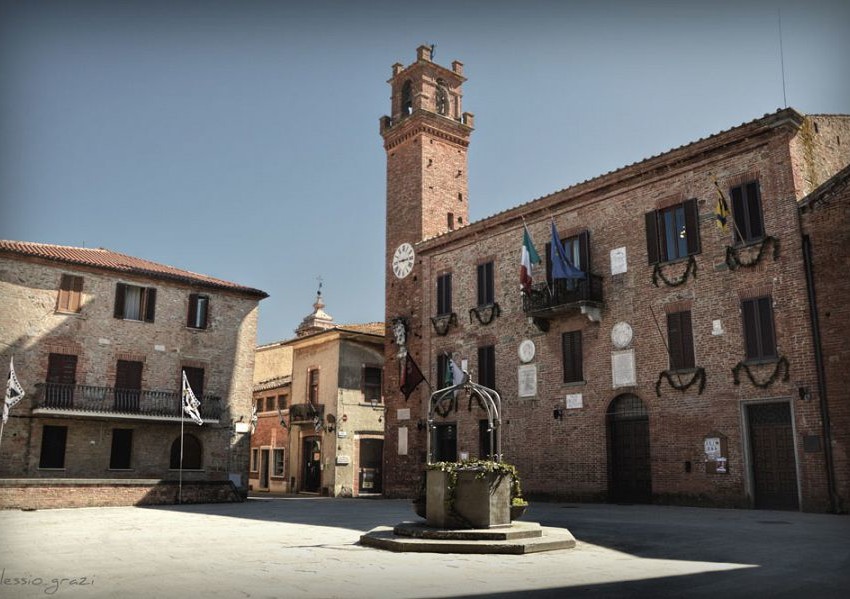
821,374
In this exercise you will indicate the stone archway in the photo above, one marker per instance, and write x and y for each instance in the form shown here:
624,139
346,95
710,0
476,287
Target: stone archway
629,468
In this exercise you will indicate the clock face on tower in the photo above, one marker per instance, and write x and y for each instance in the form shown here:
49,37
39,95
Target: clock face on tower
403,260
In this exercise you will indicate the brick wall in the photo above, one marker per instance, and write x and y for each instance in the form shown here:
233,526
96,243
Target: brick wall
569,458
827,223
69,493
31,328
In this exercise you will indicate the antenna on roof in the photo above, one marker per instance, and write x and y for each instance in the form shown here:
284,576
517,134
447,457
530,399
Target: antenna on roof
782,58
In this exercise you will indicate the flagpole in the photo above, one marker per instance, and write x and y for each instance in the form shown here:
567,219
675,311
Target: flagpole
2,426
180,484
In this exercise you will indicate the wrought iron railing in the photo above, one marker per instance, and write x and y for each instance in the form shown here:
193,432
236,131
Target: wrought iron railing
563,295
301,412
111,400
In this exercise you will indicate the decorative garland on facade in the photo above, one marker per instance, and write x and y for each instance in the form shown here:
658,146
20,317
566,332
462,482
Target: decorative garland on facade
443,408
699,374
733,259
492,311
690,270
783,361
442,323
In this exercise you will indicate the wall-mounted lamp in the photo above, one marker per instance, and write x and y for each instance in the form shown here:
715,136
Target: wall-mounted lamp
331,426
420,424
804,393
558,413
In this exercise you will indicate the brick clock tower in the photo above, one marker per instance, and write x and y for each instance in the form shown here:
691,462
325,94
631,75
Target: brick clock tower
426,140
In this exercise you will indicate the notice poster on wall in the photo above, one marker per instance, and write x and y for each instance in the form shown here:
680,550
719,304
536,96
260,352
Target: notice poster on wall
402,440
623,368
574,401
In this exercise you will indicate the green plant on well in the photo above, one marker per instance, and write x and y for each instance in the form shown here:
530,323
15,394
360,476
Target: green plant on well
482,468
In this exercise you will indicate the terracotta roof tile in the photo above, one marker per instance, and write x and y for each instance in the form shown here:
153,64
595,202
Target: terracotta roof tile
116,262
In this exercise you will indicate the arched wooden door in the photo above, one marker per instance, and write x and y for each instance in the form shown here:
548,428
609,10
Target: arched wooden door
630,474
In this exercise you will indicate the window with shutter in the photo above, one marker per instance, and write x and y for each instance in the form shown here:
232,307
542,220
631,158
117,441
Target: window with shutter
372,383
444,294
486,292
487,366
313,386
572,356
198,310
673,233
680,340
759,334
70,294
747,213
135,303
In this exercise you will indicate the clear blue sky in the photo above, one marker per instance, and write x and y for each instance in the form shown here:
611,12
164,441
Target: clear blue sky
240,139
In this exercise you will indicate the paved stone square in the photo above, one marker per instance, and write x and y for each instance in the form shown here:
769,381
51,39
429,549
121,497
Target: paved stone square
308,547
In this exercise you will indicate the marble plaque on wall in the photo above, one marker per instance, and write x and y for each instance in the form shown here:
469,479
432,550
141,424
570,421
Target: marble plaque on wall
623,368
527,377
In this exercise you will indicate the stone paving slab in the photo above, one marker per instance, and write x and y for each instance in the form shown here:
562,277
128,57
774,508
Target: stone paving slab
309,547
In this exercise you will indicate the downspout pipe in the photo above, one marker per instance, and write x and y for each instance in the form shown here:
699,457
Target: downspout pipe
821,373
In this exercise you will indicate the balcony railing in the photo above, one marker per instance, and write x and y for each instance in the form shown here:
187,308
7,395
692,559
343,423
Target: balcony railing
304,412
563,296
109,400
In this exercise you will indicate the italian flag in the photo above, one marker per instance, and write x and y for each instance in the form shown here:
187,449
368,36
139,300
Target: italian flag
529,258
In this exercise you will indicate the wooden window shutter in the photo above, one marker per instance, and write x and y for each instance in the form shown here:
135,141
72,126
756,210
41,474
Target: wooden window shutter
150,304
738,215
750,328
448,293
193,310
205,312
756,228
765,324
652,237
688,360
692,226
548,258
674,340
76,296
572,356
64,293
482,282
584,251
120,289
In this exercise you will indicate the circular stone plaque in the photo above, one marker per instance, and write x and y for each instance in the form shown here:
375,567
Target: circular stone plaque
526,350
621,335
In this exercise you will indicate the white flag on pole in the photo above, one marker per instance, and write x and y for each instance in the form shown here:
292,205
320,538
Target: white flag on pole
190,402
14,391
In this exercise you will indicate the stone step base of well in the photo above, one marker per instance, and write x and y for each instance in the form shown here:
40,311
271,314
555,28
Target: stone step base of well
517,539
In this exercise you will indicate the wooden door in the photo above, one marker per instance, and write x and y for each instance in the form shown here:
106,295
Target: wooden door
61,380
629,451
774,464
264,468
128,386
311,460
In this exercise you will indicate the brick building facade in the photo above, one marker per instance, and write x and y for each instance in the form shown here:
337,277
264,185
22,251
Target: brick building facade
681,369
319,410
100,341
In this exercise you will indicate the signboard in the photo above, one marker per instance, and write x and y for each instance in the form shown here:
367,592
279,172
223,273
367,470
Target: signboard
403,414
716,452
343,460
574,401
527,377
712,448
